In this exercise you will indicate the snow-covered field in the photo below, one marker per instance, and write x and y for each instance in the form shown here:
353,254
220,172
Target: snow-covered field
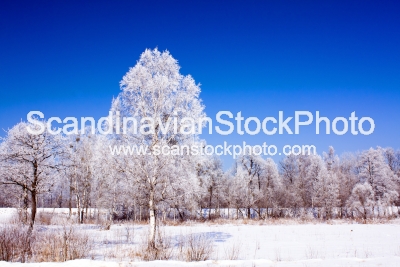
290,244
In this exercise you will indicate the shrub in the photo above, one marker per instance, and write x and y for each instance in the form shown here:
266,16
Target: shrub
20,244
163,249
195,247
232,252
45,218
57,247
15,243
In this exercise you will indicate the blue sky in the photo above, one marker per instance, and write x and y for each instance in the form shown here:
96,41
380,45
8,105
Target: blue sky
66,58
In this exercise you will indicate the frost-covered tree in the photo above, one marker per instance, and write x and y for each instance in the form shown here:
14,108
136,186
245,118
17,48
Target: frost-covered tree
210,175
272,187
236,192
373,170
328,184
327,195
289,171
249,168
313,181
362,199
345,171
393,161
392,158
300,174
82,153
154,88
111,189
31,162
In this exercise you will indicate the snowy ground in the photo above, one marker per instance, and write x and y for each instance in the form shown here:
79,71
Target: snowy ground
305,245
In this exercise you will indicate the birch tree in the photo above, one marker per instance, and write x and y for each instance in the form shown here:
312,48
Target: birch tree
82,153
157,94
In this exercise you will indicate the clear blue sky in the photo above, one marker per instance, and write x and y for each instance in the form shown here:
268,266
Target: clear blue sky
66,58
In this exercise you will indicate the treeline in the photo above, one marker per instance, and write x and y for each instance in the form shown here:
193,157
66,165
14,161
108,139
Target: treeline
78,171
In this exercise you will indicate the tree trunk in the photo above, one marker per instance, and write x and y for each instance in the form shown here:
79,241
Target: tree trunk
152,211
181,216
26,200
78,207
209,204
34,208
70,202
34,195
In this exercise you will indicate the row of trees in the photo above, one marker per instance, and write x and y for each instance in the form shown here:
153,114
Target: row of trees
78,170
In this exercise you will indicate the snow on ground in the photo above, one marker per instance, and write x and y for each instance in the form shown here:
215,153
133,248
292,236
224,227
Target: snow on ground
6,214
390,262
305,245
